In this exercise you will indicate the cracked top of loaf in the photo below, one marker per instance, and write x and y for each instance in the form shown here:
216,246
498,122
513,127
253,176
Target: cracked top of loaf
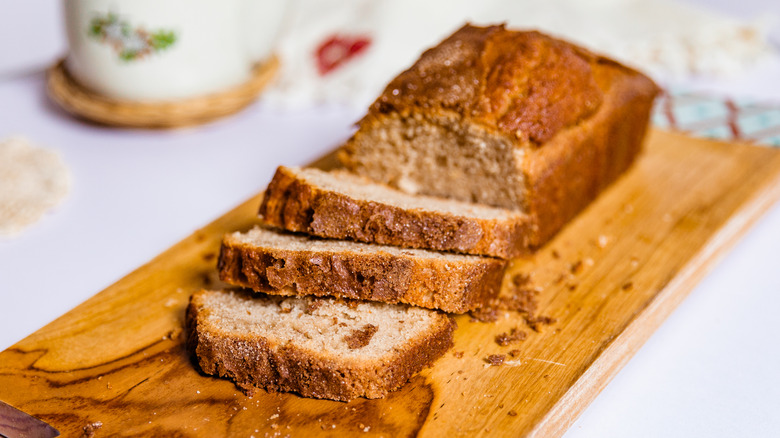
521,83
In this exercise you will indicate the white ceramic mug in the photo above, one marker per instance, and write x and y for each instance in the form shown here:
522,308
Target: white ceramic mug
164,50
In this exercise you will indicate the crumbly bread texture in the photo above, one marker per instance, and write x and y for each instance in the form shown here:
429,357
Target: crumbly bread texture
317,347
511,119
341,205
278,262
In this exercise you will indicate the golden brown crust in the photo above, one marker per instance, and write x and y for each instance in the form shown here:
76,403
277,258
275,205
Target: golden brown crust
569,172
256,362
293,204
455,287
523,84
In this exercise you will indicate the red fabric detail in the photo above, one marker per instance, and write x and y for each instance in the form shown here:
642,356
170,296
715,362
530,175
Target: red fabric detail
669,110
733,119
338,49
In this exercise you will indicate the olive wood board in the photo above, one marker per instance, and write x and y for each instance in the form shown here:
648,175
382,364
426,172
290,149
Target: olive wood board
116,364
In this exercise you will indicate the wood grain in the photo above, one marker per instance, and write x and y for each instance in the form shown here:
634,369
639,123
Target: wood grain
116,363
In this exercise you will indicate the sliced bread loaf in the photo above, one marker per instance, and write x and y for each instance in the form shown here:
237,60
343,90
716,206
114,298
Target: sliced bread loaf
341,205
513,119
277,262
317,347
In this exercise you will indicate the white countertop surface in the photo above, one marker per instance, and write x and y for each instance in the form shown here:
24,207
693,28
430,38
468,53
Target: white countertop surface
712,369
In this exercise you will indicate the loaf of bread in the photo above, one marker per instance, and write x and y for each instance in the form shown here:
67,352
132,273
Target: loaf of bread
340,205
317,347
517,120
275,262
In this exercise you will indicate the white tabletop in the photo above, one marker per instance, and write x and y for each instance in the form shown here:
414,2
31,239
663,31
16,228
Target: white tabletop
712,369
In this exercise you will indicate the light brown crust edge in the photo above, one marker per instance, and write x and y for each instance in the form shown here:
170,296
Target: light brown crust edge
263,364
570,171
293,204
433,284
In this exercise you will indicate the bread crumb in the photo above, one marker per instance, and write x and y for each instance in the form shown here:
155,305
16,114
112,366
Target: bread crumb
628,286
457,354
535,322
523,295
91,428
603,241
514,353
173,334
495,359
576,267
512,336
484,314
521,299
512,413
359,338
555,254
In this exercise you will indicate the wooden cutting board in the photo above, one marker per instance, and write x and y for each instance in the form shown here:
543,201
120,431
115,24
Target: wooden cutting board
115,365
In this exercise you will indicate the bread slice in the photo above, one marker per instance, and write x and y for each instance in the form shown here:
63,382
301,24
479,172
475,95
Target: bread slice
317,347
516,120
277,262
344,206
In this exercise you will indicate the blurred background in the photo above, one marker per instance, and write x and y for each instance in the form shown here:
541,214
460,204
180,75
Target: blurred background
135,192
710,45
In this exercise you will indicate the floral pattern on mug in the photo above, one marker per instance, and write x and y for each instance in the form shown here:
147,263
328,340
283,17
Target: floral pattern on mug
130,43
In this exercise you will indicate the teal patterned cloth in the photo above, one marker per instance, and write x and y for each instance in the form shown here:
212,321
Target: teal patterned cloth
715,117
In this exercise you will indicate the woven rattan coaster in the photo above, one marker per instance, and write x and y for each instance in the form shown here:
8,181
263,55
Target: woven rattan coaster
84,103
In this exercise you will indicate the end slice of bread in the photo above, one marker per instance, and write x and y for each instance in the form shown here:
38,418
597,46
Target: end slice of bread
317,347
341,205
277,262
